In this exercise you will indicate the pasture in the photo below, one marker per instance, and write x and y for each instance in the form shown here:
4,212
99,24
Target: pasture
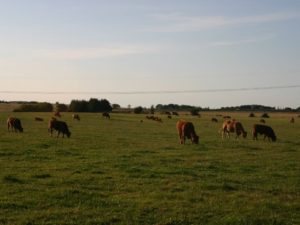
124,171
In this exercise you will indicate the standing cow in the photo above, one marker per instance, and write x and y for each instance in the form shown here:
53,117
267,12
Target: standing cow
75,117
59,126
186,130
264,130
106,115
14,124
232,126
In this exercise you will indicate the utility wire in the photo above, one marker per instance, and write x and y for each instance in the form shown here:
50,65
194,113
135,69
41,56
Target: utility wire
151,92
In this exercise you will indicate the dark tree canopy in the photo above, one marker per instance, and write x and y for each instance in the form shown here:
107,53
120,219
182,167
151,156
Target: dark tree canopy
93,105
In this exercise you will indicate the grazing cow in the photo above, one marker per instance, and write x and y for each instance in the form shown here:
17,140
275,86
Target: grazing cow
155,118
57,114
262,121
59,126
232,126
106,115
292,120
38,119
214,120
186,130
14,124
75,117
169,116
226,117
264,130
175,114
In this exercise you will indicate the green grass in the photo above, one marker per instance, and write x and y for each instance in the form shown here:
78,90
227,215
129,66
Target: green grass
123,171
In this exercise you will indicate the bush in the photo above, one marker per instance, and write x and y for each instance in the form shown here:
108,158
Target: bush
138,110
36,107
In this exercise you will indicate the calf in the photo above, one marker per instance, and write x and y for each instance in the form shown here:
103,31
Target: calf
264,130
14,124
59,126
186,130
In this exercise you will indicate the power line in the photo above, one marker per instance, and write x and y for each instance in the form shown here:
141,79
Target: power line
151,92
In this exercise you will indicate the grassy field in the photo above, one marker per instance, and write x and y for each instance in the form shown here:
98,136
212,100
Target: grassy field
124,171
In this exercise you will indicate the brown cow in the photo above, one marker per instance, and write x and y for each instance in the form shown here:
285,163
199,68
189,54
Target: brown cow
38,119
232,126
75,117
265,130
57,114
262,121
59,126
106,115
214,120
14,124
186,130
292,120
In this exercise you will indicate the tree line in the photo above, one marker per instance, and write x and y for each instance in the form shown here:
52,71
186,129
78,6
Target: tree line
103,105
93,105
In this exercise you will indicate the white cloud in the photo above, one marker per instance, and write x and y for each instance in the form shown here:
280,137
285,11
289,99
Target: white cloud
243,41
181,23
97,52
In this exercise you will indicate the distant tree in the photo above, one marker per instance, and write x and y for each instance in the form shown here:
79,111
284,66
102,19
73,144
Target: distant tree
138,110
60,107
35,107
78,106
152,109
116,106
94,105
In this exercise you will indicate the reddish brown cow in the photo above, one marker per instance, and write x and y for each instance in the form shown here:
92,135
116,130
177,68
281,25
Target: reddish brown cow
186,130
57,114
292,120
14,124
232,126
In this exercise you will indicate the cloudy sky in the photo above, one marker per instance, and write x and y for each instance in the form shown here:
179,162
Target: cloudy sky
143,52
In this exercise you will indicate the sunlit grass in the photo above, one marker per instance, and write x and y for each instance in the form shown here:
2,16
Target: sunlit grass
124,171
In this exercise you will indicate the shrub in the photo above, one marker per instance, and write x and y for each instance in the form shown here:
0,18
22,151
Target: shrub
138,110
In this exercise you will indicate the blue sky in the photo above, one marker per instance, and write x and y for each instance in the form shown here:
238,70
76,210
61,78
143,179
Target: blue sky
90,48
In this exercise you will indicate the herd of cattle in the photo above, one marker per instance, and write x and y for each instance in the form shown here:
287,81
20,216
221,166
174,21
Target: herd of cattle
185,129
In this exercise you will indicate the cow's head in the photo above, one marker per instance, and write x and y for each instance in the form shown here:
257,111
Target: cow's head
244,134
69,134
195,139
